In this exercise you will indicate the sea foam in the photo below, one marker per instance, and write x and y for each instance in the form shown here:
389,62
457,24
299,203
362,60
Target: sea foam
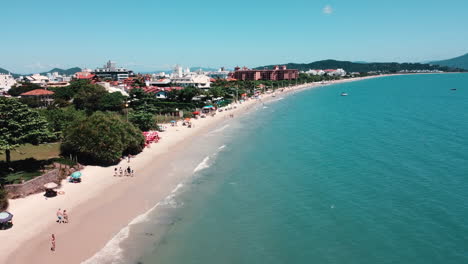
203,165
112,252
220,129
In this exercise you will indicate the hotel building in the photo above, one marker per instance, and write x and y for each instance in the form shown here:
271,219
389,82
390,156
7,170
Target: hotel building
111,72
278,73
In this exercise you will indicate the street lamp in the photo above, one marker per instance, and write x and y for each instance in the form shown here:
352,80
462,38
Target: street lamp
126,107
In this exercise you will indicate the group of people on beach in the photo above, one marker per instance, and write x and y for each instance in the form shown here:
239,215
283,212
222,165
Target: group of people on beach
62,217
126,172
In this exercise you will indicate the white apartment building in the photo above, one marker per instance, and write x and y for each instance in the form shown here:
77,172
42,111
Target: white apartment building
186,78
220,74
6,82
315,72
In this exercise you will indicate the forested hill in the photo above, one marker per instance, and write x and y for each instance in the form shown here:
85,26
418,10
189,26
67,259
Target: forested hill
70,71
363,67
67,72
459,62
3,70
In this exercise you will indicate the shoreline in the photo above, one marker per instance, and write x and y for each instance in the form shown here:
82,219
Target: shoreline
95,205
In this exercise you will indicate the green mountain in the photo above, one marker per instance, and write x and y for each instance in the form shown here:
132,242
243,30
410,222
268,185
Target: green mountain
70,71
3,70
363,67
458,62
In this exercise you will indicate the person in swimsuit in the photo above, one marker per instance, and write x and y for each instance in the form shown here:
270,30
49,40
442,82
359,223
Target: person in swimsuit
52,241
65,216
59,216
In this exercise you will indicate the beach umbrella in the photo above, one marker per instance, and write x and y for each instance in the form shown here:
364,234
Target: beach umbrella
187,119
76,175
50,185
172,121
5,217
196,113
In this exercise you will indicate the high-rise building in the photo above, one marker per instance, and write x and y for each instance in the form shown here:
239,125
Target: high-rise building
6,82
112,72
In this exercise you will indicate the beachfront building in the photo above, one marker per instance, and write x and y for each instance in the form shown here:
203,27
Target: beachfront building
186,78
110,71
57,80
84,74
220,74
329,72
113,87
335,72
278,73
35,78
315,72
6,82
42,96
155,80
161,92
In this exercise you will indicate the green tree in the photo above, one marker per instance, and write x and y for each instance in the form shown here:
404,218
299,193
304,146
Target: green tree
59,119
217,92
64,93
102,138
23,88
143,120
19,125
186,95
88,97
112,102
138,94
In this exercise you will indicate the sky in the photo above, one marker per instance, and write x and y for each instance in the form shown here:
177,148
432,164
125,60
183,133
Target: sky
151,35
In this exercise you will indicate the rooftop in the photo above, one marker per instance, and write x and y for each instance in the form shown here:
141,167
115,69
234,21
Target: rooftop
38,92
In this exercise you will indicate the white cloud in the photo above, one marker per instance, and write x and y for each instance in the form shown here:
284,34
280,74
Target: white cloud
328,10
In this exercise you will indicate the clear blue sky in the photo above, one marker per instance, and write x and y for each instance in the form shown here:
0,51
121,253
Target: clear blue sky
148,35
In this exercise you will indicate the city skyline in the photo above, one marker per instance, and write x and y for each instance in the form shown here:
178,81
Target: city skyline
155,35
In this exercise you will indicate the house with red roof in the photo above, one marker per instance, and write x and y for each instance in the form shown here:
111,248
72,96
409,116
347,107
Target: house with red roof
160,92
44,97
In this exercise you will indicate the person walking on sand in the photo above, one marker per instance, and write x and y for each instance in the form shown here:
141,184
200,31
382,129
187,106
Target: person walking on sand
133,173
120,171
129,171
65,216
52,241
59,216
115,171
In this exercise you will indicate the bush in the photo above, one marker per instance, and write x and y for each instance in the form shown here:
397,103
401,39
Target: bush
143,120
60,119
102,138
23,88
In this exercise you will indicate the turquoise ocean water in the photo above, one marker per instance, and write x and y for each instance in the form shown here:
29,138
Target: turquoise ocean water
379,176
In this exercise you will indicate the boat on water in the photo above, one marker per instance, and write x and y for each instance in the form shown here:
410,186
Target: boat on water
453,89
344,94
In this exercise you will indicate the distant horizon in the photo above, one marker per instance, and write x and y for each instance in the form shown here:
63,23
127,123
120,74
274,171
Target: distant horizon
62,67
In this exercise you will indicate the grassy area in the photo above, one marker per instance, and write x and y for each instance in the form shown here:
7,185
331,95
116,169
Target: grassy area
30,161
39,152
18,177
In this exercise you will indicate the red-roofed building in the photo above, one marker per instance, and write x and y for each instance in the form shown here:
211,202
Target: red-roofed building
45,97
160,92
278,73
84,75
